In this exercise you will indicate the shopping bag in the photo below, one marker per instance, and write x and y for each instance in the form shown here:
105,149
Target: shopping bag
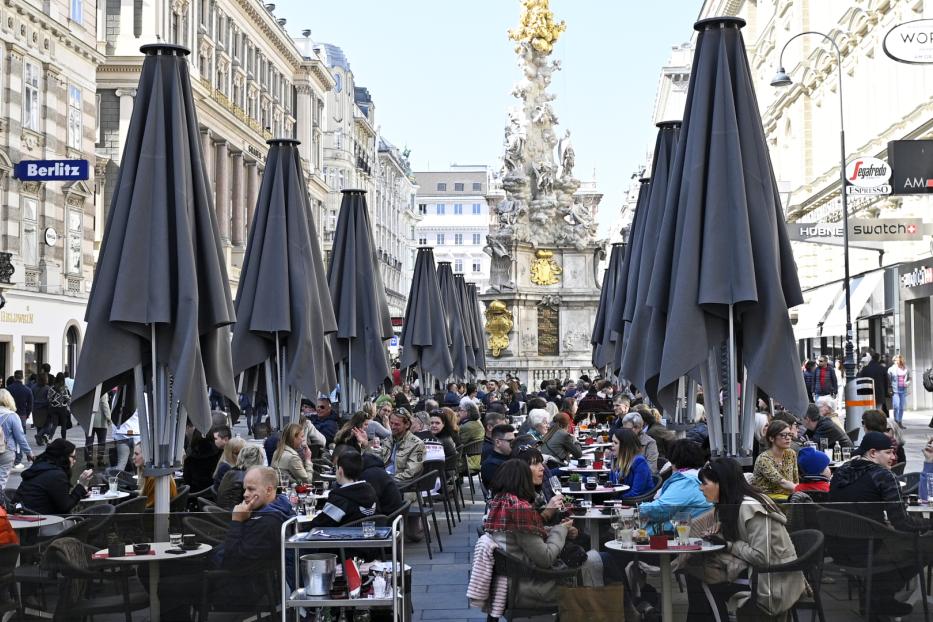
593,604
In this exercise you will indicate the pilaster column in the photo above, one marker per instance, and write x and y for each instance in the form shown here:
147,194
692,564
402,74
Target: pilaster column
126,112
252,188
223,193
207,153
236,202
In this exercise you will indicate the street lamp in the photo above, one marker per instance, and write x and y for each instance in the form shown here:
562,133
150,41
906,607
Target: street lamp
782,79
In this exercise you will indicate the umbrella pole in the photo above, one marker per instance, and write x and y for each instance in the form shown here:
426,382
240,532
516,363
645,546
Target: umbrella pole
142,407
158,423
681,401
749,407
709,377
280,388
690,413
271,396
731,420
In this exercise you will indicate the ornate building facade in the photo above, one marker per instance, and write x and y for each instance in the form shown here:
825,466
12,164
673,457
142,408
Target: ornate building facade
47,112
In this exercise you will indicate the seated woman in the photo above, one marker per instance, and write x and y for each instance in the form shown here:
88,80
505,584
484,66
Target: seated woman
230,491
46,486
518,530
345,435
227,459
471,431
547,502
147,484
441,423
753,531
681,491
558,442
775,472
537,423
292,456
629,467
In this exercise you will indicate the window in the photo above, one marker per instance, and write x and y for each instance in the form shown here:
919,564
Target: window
77,11
422,208
476,239
74,117
458,239
71,350
458,187
477,186
440,209
33,357
440,239
458,208
422,241
74,241
458,266
29,244
477,266
442,187
31,96
477,208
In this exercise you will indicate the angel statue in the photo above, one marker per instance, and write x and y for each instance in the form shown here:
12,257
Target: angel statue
566,155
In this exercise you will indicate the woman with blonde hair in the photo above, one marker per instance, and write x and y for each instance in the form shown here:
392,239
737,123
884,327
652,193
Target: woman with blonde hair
228,459
11,430
292,456
230,491
899,376
147,484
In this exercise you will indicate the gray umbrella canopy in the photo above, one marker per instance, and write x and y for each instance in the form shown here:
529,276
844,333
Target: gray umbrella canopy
160,264
359,297
283,285
602,339
641,356
480,347
628,276
425,341
723,243
466,320
450,303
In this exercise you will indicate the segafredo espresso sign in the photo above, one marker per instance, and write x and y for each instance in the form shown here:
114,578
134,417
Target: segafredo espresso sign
868,176
910,42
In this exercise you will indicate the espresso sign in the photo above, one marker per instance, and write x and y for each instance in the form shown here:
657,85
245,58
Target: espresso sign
548,331
911,42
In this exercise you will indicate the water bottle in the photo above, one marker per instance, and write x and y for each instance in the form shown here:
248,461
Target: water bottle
837,452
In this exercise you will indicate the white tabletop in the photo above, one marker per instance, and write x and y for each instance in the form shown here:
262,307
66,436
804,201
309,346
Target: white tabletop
594,446
615,545
600,490
594,514
923,508
107,496
160,555
586,470
47,519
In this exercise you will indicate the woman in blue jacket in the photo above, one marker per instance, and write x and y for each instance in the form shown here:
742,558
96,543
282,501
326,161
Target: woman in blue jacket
629,467
681,492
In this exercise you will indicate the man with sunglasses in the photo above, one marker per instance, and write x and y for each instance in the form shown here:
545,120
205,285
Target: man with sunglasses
503,435
327,422
820,427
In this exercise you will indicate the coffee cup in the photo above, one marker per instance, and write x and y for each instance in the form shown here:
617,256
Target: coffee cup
189,541
141,549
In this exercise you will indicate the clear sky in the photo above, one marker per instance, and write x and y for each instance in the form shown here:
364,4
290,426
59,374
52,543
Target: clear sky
441,72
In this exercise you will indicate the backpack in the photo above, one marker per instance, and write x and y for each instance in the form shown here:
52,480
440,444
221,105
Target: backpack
3,446
928,379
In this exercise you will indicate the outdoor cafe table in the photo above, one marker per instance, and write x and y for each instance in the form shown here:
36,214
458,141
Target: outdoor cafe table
593,519
35,521
107,496
585,470
667,608
156,555
599,490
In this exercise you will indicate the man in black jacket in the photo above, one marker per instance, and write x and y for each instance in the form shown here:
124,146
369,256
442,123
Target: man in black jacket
353,499
388,497
820,427
867,483
503,436
879,376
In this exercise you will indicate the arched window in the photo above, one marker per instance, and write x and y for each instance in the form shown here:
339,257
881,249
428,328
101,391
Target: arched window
71,350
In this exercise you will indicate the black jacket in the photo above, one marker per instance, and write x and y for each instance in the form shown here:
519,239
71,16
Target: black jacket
46,489
879,376
199,465
489,466
875,489
347,504
22,396
825,428
388,497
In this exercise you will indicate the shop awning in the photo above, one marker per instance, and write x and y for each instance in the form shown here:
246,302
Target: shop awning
861,289
817,305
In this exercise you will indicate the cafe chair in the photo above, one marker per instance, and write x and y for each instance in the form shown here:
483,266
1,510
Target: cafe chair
424,484
263,575
911,483
99,518
207,531
850,532
648,496
809,547
471,450
898,469
516,570
9,598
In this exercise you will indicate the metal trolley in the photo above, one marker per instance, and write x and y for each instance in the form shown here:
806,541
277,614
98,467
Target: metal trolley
343,538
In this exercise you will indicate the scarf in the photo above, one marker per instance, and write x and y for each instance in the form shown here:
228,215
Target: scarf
509,513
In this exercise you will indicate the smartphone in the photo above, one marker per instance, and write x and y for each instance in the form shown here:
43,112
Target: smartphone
174,551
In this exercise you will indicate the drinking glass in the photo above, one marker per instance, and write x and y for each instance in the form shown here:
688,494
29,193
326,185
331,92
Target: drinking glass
369,528
824,444
113,483
681,522
624,532
554,481
175,539
846,453
930,491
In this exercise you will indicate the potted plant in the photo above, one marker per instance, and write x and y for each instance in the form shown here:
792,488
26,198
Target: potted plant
574,481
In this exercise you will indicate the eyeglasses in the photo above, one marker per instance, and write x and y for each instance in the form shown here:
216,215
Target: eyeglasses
787,435
320,406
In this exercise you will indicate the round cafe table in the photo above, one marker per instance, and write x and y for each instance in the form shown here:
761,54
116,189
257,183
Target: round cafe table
664,556
156,555
599,490
45,520
105,497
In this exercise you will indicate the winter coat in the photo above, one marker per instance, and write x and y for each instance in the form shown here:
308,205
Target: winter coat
472,432
539,552
200,463
763,541
346,504
409,456
328,426
46,489
680,493
40,405
292,464
388,496
699,434
638,478
230,491
561,446
491,464
102,416
825,428
875,489
22,396
649,451
824,383
879,377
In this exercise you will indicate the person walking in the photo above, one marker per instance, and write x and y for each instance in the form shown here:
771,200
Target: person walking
874,370
824,379
41,419
899,380
12,438
59,406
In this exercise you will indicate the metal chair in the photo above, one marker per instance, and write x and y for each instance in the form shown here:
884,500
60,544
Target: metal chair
443,494
516,570
99,517
469,450
9,598
424,484
808,544
207,531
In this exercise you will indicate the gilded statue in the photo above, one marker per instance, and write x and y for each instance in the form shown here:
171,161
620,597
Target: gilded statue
544,270
537,26
498,325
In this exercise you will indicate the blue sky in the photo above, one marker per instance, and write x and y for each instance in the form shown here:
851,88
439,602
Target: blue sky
441,72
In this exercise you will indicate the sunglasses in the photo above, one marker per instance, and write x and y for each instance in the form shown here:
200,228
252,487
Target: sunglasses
320,406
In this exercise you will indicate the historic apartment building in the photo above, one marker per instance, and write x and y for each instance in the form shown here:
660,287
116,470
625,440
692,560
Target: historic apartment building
455,218
251,82
47,112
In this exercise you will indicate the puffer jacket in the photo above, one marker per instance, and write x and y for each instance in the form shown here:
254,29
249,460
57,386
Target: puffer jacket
875,489
680,493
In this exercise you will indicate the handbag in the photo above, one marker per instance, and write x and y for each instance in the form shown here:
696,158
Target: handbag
572,555
593,604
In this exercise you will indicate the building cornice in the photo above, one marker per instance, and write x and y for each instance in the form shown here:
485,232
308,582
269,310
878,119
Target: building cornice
274,34
58,30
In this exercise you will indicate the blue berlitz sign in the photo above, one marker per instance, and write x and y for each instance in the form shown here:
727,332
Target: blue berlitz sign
51,170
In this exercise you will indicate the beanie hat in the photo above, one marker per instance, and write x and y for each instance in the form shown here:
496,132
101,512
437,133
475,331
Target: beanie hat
59,448
874,440
811,461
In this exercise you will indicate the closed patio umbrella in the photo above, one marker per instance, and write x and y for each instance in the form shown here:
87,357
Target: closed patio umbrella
480,347
425,341
603,339
628,277
450,303
469,327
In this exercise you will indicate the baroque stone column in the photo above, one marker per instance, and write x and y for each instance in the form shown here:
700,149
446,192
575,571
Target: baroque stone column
236,202
222,206
207,152
252,190
126,111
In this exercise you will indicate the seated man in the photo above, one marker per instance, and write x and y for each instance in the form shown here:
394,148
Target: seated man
352,499
820,427
502,437
403,453
490,421
867,483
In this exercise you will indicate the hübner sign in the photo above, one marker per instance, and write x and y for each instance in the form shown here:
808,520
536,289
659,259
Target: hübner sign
910,42
860,230
868,176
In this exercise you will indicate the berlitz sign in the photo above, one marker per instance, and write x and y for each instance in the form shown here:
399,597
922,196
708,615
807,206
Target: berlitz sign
51,170
910,42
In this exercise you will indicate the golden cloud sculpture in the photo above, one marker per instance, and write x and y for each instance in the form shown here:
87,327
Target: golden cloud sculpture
537,26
